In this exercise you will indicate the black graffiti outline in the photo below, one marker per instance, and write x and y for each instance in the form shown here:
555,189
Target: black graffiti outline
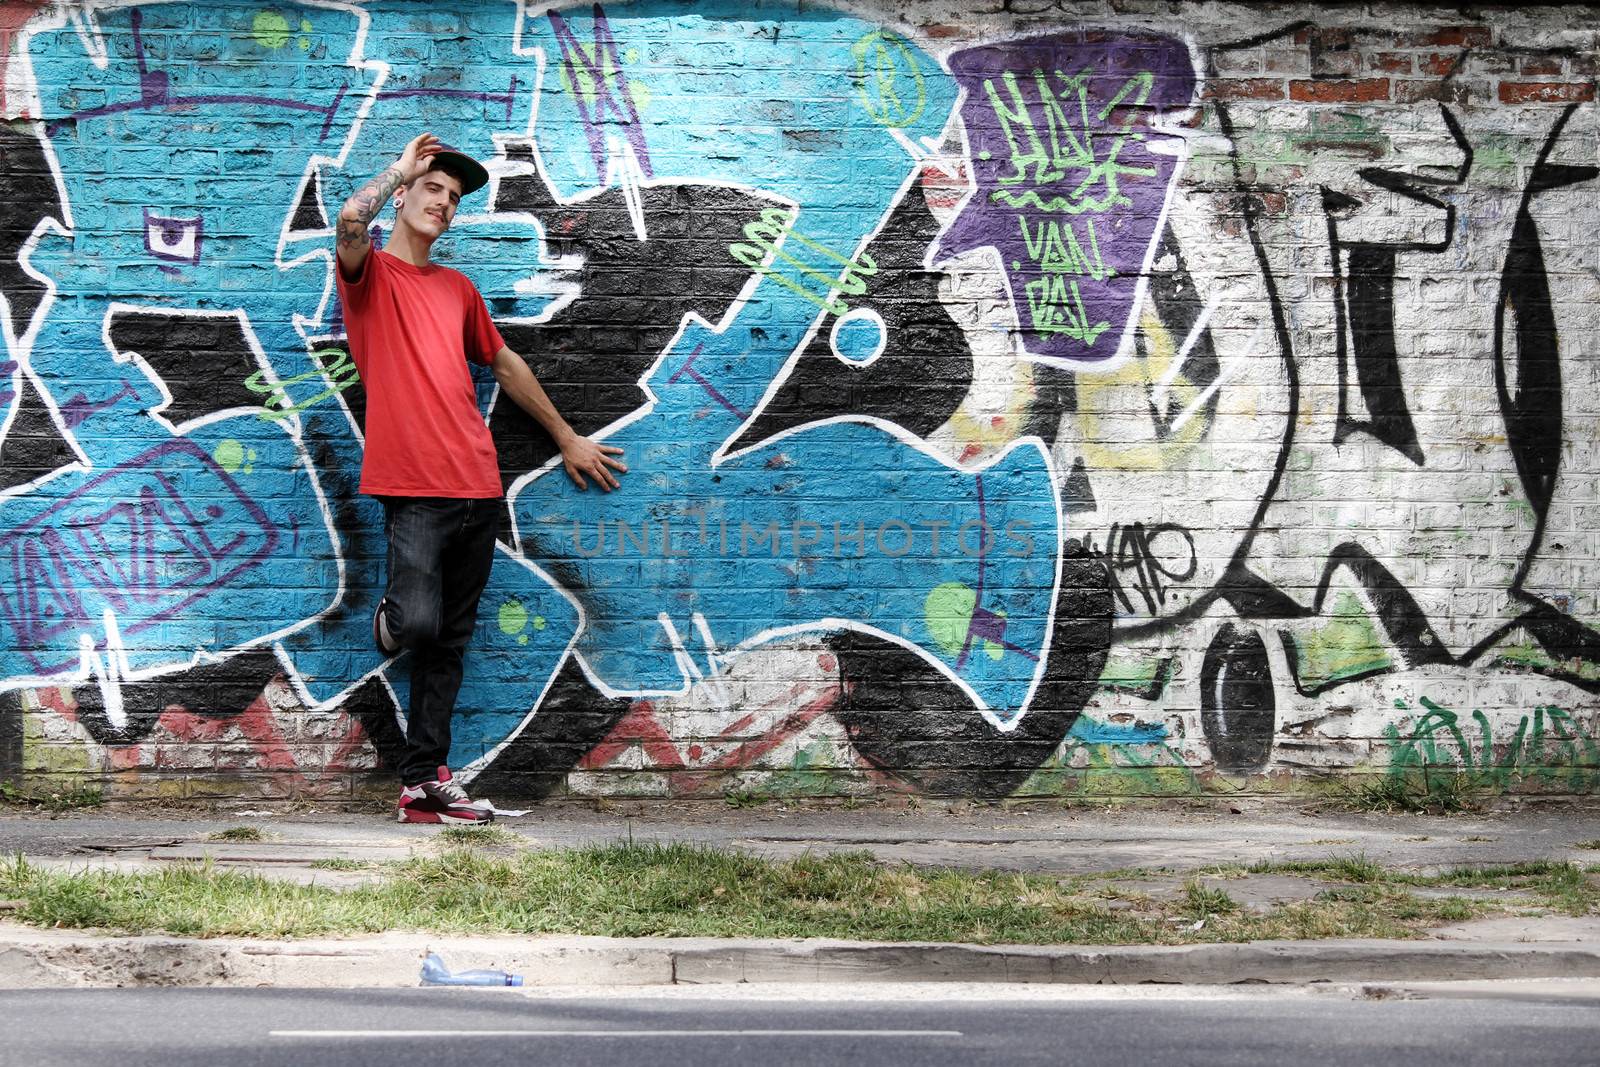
1398,613
1363,303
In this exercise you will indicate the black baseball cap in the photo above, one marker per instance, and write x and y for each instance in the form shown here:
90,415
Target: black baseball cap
466,170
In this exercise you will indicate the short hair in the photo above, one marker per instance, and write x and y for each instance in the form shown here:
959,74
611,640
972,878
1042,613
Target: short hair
448,165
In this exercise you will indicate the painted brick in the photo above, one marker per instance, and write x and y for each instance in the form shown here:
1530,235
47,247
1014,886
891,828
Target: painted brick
991,434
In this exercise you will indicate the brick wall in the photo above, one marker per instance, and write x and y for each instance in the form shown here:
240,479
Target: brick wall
1022,399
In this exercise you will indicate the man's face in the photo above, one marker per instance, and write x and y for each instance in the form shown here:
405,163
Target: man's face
429,204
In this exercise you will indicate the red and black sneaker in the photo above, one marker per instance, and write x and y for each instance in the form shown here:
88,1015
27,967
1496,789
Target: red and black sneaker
441,801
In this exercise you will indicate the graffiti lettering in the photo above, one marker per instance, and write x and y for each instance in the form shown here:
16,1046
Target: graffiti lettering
338,368
1065,131
1147,560
773,235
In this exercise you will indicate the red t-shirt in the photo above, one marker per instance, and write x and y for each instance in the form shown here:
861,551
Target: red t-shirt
412,330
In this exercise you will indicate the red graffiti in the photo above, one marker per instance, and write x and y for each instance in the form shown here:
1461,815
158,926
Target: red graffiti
13,16
688,771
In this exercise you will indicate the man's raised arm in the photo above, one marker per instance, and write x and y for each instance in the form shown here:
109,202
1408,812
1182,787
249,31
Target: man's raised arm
364,204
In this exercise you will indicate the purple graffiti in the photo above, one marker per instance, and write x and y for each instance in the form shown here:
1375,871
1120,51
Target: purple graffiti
1069,175
155,94
598,85
687,370
77,410
146,554
508,98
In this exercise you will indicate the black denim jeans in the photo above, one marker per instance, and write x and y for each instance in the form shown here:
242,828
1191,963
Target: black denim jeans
440,553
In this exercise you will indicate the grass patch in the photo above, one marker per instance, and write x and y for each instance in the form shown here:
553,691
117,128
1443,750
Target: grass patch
490,836
1422,791
1595,844
1563,887
1355,867
72,798
1201,901
238,833
743,798
340,864
631,890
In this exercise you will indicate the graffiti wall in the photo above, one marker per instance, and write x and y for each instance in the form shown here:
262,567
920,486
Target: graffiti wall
1069,399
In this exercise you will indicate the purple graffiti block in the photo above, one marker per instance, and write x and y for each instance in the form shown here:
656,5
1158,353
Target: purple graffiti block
129,539
1069,177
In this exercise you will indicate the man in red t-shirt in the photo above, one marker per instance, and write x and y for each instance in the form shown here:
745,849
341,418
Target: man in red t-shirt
413,325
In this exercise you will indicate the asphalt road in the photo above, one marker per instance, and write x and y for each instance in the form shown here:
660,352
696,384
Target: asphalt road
899,1028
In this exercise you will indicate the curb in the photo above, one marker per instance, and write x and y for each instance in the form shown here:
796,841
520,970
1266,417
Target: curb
53,959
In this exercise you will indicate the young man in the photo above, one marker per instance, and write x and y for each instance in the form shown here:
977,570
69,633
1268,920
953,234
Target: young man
429,457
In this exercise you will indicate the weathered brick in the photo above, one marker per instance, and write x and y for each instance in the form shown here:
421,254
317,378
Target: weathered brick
1449,92
1339,92
1542,65
1471,36
1440,63
1245,89
1546,92
1336,64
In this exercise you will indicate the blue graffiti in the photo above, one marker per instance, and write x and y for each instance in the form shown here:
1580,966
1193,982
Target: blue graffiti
979,611
220,513
191,534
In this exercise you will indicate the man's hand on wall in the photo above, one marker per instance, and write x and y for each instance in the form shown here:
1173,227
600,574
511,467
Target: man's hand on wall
582,456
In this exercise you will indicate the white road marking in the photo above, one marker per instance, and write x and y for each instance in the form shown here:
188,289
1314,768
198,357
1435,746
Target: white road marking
408,1034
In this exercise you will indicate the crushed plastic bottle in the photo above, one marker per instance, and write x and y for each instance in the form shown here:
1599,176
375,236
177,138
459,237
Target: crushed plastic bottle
434,972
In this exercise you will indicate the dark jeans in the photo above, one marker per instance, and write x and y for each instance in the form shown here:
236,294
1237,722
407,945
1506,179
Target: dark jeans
440,554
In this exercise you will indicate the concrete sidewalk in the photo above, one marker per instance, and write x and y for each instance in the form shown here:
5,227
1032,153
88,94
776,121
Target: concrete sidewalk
1165,845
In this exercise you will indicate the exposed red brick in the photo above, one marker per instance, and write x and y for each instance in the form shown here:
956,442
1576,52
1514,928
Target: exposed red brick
1391,62
1440,63
1546,92
1470,36
1339,92
1541,65
1245,89
941,30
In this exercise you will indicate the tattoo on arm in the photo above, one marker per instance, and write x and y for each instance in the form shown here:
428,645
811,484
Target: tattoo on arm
352,234
367,201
